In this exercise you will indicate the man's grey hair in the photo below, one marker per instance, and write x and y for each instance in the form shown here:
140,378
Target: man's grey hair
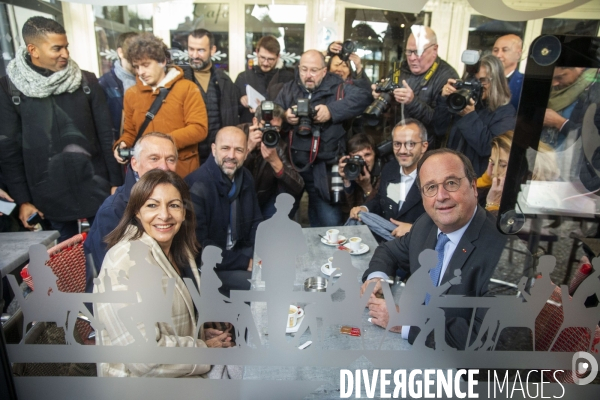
409,121
137,148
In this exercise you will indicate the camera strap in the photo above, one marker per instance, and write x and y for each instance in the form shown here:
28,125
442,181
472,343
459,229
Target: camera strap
156,104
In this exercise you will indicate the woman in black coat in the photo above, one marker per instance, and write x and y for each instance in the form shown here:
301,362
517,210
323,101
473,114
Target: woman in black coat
477,124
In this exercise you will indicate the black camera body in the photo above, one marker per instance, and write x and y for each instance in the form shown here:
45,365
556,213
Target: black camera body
126,153
348,47
354,166
270,136
465,91
378,107
305,113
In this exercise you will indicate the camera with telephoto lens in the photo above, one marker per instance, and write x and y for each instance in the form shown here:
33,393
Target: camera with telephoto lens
468,88
378,107
348,47
354,166
306,113
126,153
270,136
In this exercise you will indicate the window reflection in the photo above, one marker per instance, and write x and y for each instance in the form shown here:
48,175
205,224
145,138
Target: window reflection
484,31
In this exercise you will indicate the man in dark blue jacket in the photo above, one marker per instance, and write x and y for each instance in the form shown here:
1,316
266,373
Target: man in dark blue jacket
314,151
116,82
153,150
398,199
226,207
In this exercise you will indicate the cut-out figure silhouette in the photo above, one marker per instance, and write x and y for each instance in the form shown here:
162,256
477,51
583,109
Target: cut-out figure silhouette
154,305
46,303
510,311
349,311
576,314
412,310
213,306
279,241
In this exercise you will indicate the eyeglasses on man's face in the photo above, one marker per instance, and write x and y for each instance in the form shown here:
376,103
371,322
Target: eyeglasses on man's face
312,71
450,185
409,53
266,59
409,145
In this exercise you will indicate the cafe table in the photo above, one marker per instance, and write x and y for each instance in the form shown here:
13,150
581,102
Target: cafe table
307,266
14,247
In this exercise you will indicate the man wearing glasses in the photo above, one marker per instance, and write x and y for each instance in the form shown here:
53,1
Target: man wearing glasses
464,236
319,139
270,166
398,199
423,75
266,76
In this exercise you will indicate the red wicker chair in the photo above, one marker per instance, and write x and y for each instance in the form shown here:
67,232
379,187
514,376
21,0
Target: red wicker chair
67,261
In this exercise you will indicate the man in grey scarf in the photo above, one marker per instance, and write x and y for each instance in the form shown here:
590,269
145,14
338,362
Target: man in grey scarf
116,82
56,142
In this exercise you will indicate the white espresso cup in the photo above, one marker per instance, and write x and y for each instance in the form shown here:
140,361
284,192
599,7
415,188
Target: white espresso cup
293,314
329,263
332,235
354,243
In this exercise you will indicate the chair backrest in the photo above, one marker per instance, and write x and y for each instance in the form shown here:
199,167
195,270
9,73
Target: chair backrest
67,261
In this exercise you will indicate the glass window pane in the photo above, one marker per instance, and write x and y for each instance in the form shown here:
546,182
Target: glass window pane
560,26
285,22
211,16
6,40
380,36
484,31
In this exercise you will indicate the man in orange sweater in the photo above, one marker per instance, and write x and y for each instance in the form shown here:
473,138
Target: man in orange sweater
182,114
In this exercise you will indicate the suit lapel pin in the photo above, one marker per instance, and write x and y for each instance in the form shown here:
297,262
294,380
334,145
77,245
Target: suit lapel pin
464,250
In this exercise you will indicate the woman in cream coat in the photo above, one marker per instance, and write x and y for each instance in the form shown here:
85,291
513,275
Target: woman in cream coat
154,242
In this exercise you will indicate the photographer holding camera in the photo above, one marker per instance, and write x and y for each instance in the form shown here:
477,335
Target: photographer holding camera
360,170
481,109
267,158
419,80
323,103
344,62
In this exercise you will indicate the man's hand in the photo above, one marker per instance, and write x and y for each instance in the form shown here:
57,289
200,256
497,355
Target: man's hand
379,313
5,196
291,118
250,263
354,214
323,114
122,145
244,100
374,93
341,165
271,156
449,88
405,94
222,340
402,228
553,119
357,63
113,189
254,137
495,193
376,288
26,210
469,108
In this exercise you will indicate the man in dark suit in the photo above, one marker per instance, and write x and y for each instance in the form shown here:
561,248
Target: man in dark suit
463,234
398,198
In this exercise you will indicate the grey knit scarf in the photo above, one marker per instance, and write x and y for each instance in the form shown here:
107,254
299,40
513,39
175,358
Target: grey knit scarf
33,84
124,76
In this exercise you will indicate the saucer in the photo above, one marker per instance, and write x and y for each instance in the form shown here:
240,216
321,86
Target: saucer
295,328
341,240
363,249
328,271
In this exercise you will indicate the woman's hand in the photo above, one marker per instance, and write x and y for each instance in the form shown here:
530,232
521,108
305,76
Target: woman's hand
495,193
221,341
469,108
449,88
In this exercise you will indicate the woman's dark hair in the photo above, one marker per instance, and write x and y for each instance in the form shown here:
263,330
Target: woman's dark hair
184,243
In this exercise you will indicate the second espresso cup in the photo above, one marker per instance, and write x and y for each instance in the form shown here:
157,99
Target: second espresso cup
332,235
293,314
354,243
